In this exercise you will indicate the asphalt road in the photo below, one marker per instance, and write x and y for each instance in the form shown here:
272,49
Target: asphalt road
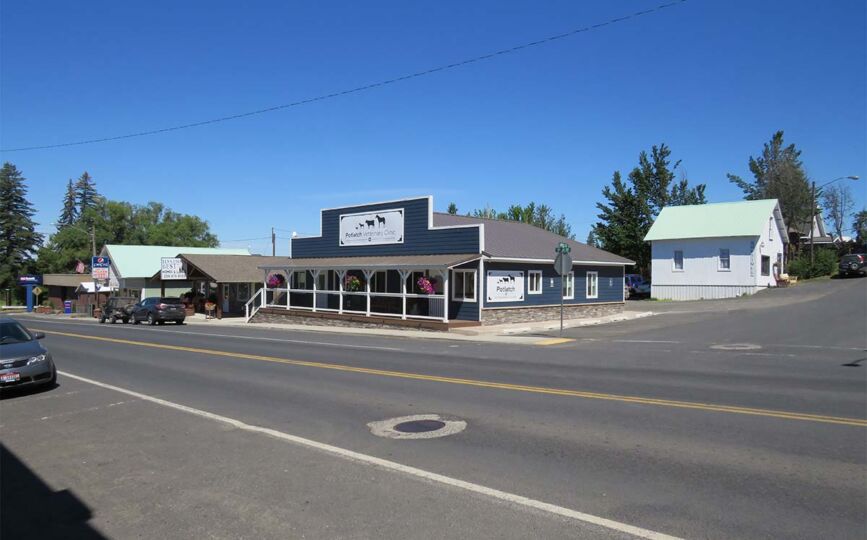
741,419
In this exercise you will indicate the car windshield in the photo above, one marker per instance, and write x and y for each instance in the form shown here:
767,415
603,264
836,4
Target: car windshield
12,332
170,300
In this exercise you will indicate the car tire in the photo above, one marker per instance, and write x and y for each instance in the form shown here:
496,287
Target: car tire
125,320
161,322
135,321
113,320
179,322
151,320
102,320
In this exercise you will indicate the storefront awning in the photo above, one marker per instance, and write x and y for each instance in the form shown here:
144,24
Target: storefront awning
384,262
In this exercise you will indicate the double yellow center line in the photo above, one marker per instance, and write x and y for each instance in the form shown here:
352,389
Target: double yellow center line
488,384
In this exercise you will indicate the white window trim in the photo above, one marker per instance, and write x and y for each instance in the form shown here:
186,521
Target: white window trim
719,259
587,285
569,278
674,267
454,281
531,273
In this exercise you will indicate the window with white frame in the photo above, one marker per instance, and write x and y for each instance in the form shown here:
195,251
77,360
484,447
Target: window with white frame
534,282
678,260
725,262
569,286
592,285
464,285
300,279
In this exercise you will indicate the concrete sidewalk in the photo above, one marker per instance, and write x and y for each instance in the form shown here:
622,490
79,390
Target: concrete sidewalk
536,333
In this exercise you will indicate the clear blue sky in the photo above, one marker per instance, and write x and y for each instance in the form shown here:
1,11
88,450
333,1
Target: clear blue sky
550,124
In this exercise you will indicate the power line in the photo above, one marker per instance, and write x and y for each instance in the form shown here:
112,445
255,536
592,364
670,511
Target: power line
357,88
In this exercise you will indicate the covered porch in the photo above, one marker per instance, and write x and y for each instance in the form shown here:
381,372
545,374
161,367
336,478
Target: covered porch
367,289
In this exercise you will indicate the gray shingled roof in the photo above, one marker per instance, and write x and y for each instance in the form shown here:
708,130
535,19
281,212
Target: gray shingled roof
515,240
230,268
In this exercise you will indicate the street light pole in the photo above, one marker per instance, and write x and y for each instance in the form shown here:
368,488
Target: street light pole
813,210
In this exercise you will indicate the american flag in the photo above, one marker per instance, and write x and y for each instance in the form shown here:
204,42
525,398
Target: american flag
79,268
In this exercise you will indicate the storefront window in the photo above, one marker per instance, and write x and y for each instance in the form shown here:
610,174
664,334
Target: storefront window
464,288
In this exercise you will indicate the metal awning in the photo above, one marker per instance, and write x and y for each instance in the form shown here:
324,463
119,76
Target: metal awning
384,262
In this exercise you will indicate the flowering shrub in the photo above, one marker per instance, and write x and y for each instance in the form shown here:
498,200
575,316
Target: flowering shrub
351,283
426,285
275,281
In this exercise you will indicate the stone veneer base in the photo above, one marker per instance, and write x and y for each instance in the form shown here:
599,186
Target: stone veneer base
548,313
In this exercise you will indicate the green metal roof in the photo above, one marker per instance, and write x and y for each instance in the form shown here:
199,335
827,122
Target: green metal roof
742,218
144,261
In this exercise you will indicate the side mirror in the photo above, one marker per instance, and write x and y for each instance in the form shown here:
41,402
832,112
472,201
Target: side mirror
38,335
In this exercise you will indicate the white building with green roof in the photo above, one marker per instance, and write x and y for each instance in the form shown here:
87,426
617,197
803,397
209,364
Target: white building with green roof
720,250
133,267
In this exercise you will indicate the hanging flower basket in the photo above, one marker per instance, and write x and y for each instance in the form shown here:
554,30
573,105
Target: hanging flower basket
275,281
426,285
352,283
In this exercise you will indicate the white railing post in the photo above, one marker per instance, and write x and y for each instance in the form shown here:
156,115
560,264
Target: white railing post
445,276
315,286
340,275
367,275
288,289
403,276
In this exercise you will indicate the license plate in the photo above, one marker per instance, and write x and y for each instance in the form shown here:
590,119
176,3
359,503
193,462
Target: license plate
10,377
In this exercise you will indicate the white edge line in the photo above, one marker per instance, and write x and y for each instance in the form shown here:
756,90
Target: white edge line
393,466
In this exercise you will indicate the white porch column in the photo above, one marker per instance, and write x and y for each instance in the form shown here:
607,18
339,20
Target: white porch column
315,286
445,277
264,289
367,276
403,275
340,276
288,288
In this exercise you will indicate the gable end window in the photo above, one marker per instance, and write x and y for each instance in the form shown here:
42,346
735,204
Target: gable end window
464,285
592,285
534,282
725,262
678,260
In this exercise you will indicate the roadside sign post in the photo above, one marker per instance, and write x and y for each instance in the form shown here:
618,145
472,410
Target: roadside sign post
99,270
29,282
562,265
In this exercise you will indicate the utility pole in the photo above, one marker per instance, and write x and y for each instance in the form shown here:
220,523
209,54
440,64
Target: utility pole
273,243
812,222
93,254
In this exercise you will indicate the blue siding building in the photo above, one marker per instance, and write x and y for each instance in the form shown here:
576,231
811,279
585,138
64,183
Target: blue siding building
397,261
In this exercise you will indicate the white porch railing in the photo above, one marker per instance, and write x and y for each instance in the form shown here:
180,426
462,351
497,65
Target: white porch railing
253,304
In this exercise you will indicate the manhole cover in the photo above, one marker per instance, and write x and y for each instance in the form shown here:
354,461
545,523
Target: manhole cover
417,426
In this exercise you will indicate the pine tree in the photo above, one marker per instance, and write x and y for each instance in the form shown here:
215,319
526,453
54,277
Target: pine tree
18,237
69,214
779,174
85,193
453,209
630,210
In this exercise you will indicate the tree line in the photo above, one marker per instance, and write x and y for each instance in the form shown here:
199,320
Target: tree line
630,206
83,209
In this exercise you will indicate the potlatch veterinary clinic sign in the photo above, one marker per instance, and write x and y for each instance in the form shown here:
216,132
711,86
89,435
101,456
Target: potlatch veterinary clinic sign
505,286
172,268
370,229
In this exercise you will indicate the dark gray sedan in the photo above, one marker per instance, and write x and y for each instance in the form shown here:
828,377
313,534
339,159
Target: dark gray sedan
23,360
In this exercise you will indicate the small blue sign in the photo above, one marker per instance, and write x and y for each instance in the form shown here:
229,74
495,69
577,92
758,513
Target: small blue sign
100,262
30,280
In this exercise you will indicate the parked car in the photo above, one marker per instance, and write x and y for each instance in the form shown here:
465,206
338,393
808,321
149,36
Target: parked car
23,360
117,308
636,286
853,265
157,310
